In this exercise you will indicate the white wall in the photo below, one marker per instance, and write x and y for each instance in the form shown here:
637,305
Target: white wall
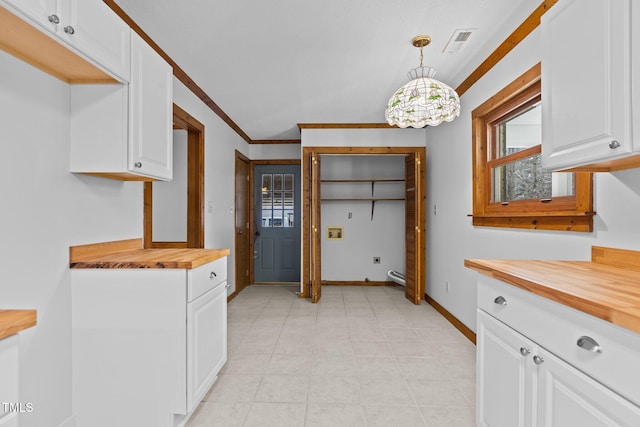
383,137
450,236
274,151
221,142
351,259
46,209
169,222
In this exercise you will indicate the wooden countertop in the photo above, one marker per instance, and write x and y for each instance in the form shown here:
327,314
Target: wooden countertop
130,254
14,321
607,287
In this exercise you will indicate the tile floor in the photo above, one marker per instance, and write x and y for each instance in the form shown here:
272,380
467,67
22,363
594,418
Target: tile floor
363,356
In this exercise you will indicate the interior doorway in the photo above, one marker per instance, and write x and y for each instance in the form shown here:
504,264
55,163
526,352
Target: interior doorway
414,213
190,189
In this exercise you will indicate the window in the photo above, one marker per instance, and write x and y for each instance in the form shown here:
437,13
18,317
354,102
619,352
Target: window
277,200
511,189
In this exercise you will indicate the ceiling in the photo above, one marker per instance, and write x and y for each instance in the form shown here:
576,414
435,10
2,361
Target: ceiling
271,64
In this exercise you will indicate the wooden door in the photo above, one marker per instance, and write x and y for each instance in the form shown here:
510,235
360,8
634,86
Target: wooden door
316,237
414,252
242,255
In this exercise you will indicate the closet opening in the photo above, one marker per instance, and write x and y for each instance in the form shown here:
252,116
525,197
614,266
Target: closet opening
364,214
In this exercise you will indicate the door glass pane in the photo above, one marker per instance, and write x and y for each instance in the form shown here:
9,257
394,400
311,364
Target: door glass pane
277,200
519,133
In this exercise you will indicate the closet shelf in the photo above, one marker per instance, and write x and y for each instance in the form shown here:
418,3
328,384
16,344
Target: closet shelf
361,180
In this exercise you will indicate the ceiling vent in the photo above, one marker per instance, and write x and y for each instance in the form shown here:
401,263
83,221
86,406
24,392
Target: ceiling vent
458,40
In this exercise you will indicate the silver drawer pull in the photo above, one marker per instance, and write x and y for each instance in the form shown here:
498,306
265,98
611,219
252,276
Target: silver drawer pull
524,351
212,275
500,301
53,19
227,286
538,360
589,344
614,144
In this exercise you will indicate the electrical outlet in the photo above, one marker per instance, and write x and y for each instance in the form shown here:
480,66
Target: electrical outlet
376,260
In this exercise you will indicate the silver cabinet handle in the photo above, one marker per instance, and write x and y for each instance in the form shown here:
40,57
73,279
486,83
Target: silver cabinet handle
524,351
538,360
500,301
614,144
212,275
227,286
69,29
137,164
54,19
589,344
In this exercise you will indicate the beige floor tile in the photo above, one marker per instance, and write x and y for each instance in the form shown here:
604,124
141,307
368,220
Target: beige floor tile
276,414
220,414
367,366
449,417
421,368
371,348
330,389
333,364
437,393
283,389
388,391
386,416
247,364
413,348
322,415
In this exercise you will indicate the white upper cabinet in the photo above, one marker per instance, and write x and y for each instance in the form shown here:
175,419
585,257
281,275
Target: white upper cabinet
586,82
150,112
88,26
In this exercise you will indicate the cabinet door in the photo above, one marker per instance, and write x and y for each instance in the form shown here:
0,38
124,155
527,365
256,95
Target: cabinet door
567,397
100,34
586,82
504,376
150,112
38,11
206,342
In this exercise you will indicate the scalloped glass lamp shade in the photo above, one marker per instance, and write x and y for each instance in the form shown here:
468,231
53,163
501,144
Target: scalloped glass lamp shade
423,101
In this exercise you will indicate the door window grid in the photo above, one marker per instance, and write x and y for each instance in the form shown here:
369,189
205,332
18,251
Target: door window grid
277,200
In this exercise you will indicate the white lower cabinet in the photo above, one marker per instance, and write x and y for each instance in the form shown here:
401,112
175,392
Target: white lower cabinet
147,343
528,380
9,381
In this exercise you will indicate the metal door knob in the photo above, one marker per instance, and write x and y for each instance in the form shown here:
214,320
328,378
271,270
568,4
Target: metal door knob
589,344
538,360
54,19
69,29
614,144
500,301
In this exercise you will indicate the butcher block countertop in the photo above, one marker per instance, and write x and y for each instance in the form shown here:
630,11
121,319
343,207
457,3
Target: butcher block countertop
607,287
130,254
14,321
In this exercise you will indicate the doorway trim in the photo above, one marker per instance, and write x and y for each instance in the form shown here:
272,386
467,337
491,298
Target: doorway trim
195,186
252,227
308,201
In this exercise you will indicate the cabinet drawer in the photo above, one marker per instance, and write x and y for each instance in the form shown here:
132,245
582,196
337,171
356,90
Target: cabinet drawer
206,277
558,328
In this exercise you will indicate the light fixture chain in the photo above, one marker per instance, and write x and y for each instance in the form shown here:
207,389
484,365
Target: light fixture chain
421,56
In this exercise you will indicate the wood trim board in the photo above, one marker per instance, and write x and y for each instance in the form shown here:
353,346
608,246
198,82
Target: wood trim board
471,336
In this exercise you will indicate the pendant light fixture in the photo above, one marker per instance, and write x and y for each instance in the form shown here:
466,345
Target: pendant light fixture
424,100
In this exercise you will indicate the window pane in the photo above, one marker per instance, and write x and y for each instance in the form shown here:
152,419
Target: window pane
288,218
525,179
277,182
288,182
266,183
519,133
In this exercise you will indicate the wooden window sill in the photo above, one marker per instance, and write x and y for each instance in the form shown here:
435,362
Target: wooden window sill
581,222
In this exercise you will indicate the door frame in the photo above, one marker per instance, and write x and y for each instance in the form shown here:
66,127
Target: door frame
238,254
308,201
195,186
252,227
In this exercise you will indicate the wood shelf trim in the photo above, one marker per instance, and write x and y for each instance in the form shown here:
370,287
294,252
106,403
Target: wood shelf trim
14,321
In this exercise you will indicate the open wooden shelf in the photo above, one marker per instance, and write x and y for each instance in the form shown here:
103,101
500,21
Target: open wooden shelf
362,199
362,180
